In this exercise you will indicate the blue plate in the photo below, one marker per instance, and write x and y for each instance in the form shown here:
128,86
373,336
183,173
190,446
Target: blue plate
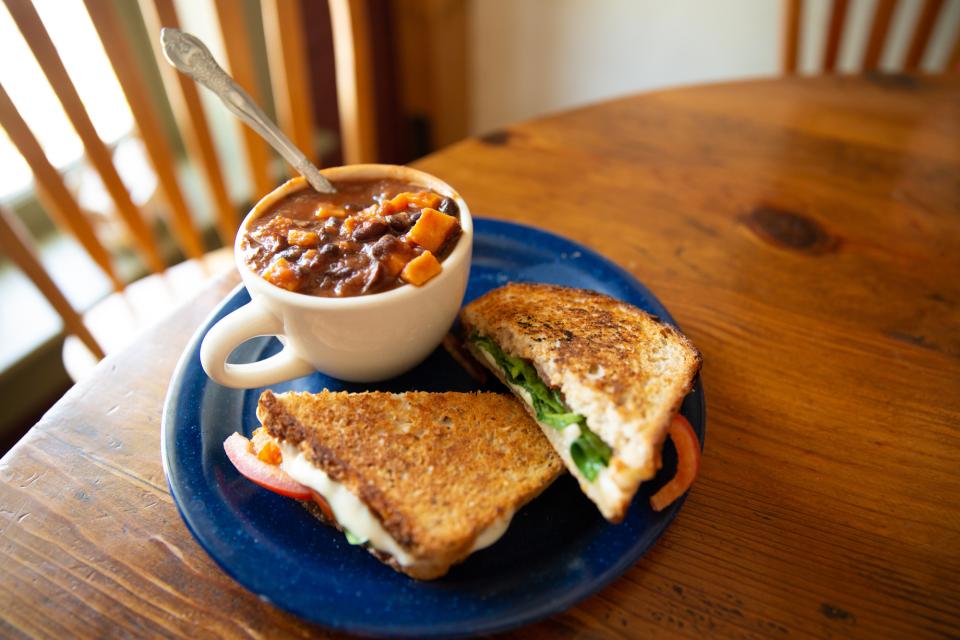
557,551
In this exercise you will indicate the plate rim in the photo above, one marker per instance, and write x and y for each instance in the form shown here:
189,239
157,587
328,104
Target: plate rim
524,617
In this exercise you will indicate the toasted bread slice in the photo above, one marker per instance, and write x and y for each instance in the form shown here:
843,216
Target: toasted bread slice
436,470
618,366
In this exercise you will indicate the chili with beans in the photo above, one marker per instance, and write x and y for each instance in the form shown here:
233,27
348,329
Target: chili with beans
368,237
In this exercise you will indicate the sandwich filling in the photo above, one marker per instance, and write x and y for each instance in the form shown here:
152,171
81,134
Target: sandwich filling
358,522
588,451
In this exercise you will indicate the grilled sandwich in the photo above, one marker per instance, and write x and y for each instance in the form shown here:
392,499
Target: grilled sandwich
421,480
603,379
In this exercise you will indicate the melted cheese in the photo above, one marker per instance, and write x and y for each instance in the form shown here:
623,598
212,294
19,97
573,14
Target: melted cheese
347,508
492,533
355,517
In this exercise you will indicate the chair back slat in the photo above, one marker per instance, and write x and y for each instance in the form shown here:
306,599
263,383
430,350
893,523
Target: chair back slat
448,24
114,42
240,62
287,58
37,38
953,63
57,200
879,28
188,111
838,19
354,75
791,35
16,245
921,33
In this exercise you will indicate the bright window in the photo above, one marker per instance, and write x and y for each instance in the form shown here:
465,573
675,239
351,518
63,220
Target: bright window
79,47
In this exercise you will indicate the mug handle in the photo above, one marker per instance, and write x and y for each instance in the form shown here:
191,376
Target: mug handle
249,321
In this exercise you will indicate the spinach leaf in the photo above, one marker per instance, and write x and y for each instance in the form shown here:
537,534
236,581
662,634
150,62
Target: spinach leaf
588,451
352,539
562,420
521,373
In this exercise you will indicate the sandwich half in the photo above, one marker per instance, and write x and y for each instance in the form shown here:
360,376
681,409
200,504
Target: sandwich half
421,480
603,379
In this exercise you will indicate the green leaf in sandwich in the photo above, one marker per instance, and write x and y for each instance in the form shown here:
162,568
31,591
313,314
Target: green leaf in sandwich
588,451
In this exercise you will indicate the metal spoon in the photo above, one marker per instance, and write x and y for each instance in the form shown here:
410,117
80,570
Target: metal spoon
190,56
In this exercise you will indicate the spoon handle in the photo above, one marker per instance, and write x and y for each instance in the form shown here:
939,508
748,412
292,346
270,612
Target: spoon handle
190,56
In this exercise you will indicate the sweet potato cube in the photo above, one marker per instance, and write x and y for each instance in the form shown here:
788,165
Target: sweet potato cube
397,258
350,224
421,199
432,229
399,202
424,199
393,253
329,211
421,269
302,238
394,263
281,274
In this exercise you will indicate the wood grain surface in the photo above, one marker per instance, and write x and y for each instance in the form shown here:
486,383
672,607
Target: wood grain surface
806,235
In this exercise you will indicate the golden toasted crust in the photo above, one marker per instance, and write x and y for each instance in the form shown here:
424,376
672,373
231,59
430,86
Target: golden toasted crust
435,469
622,368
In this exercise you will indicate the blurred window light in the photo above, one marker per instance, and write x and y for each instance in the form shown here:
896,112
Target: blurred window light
79,49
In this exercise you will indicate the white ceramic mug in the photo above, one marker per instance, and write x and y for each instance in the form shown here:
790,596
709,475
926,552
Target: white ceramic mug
360,338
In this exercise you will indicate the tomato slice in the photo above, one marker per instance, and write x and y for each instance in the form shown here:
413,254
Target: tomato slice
324,505
688,464
268,476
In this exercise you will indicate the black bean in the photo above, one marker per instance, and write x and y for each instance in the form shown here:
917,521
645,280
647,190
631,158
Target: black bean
339,270
291,254
352,282
329,251
375,273
449,206
348,247
451,239
353,207
400,222
384,246
369,229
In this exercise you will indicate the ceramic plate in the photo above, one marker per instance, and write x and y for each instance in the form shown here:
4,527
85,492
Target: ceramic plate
557,551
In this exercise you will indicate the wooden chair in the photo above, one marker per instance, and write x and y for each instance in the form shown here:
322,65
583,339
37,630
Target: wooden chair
879,31
117,319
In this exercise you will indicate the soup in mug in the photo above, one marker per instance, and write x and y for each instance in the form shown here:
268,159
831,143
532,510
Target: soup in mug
369,236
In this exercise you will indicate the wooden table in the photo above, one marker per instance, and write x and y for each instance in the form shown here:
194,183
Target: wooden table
805,234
